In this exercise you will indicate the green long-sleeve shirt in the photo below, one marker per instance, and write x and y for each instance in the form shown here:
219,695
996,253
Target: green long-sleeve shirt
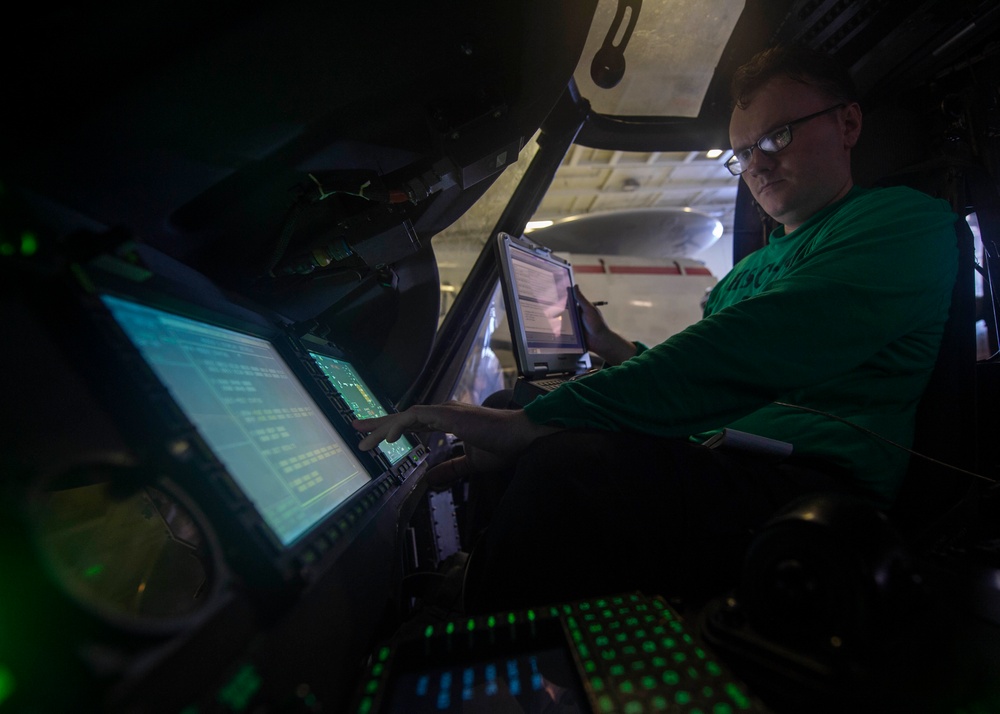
843,318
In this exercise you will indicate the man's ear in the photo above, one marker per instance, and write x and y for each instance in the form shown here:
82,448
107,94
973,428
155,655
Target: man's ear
852,124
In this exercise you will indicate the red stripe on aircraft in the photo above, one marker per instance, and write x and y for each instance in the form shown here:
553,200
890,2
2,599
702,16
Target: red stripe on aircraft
645,270
588,268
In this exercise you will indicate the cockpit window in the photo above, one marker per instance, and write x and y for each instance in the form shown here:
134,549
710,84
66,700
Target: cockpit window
489,366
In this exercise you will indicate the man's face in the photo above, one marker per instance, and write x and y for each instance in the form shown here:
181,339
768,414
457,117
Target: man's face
812,171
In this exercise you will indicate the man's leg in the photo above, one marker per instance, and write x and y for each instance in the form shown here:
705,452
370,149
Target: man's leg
593,513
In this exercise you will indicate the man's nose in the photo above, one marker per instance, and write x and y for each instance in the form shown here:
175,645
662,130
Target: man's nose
759,161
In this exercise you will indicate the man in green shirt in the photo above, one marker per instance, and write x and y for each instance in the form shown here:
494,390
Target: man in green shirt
823,340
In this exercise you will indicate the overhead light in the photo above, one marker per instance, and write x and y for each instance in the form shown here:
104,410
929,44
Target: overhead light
714,153
630,184
535,225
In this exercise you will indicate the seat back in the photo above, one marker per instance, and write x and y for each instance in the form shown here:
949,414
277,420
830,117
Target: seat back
937,499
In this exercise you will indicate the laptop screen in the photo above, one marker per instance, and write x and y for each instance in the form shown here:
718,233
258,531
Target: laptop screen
545,321
252,411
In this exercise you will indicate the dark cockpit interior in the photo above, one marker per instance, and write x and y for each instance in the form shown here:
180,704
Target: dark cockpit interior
223,238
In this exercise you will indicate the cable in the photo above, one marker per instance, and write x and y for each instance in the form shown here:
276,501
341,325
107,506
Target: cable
875,434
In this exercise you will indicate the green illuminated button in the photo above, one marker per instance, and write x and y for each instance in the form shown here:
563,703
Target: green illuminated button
238,692
597,684
707,692
659,703
638,665
7,683
618,670
634,708
590,666
649,682
606,704
738,697
671,678
659,662
712,668
621,637
682,697
649,646
583,650
626,687
679,657
29,243
693,672
602,641
722,708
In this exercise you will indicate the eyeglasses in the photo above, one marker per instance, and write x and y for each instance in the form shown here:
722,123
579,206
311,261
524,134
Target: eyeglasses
770,143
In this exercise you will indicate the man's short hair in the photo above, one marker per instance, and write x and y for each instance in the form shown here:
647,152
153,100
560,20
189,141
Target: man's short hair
801,64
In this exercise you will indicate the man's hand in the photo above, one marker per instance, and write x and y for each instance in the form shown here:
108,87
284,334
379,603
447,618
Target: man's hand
502,433
601,339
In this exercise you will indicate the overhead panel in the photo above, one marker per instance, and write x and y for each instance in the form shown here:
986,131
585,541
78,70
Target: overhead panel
669,58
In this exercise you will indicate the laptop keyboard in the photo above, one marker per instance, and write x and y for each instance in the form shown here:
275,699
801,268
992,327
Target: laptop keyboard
549,384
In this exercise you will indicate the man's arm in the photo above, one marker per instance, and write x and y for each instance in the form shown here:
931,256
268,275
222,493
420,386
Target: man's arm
601,339
502,433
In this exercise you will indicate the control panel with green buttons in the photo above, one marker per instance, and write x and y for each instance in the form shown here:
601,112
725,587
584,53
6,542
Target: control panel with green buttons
628,654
